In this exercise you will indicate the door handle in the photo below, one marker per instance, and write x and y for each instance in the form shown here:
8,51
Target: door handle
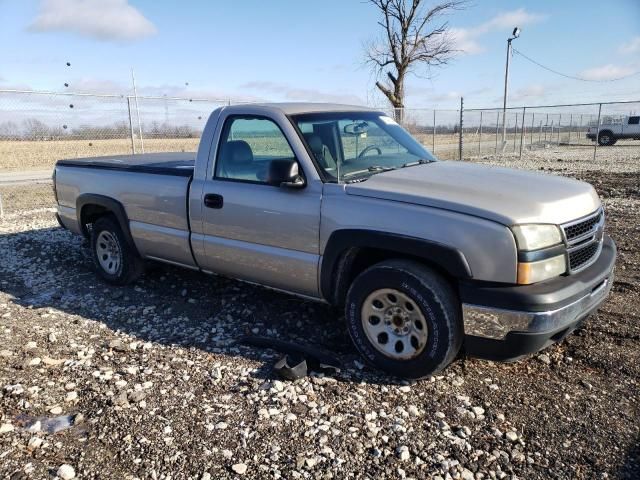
213,200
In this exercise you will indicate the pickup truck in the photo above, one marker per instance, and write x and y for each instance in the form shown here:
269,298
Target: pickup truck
340,204
610,133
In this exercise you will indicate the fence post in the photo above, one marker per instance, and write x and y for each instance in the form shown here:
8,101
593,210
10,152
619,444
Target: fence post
540,132
533,119
546,124
133,143
433,140
580,126
515,134
480,136
497,124
1,208
570,127
135,94
559,128
595,144
524,111
460,132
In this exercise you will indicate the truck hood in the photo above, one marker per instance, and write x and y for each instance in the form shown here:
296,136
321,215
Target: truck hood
503,195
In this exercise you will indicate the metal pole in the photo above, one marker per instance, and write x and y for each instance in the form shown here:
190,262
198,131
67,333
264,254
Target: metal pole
595,144
524,111
135,94
460,132
506,87
580,126
133,143
1,208
480,136
433,140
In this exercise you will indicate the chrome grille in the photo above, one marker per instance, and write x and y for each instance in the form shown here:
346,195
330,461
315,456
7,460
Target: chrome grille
583,227
584,240
578,258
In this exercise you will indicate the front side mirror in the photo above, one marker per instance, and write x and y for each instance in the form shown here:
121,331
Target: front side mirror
285,173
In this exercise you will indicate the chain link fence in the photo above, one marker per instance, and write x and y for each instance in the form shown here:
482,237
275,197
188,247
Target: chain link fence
538,138
39,128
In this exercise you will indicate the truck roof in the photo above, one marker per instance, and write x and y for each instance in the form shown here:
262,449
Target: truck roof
294,108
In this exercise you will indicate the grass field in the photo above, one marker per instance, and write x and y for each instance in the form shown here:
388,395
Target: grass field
39,155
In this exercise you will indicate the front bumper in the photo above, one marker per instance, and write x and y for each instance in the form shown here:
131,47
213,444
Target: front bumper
505,323
591,136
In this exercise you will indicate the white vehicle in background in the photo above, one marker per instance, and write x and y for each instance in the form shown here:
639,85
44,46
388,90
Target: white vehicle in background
610,133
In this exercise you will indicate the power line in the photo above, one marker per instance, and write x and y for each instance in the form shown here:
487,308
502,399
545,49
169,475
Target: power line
571,76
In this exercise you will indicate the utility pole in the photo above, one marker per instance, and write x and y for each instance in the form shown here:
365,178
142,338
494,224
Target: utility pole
514,35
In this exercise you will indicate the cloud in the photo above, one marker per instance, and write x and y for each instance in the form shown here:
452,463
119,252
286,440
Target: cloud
536,90
448,96
630,47
467,39
301,94
107,20
606,72
453,96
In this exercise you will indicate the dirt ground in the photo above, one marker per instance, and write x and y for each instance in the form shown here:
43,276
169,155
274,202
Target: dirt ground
151,384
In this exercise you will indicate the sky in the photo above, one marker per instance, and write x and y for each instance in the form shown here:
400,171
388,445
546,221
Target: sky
292,50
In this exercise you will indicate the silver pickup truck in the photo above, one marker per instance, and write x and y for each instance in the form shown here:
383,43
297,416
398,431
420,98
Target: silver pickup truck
340,204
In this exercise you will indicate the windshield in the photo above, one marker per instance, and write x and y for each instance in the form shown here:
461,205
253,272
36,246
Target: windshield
352,146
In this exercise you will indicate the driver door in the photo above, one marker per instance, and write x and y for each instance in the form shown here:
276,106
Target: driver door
252,230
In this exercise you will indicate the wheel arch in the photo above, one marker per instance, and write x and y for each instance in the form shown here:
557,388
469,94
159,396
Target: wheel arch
350,252
90,207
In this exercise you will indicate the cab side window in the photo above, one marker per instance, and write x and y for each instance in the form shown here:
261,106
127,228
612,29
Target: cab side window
634,120
247,146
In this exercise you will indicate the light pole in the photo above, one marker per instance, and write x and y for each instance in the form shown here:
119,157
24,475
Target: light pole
514,35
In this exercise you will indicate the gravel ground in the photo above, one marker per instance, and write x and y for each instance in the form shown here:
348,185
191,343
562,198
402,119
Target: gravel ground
146,381
569,159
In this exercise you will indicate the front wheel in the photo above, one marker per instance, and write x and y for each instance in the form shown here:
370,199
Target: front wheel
404,318
115,260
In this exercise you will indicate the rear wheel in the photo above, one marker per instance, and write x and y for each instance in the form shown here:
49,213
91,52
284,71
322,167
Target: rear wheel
606,138
115,260
404,318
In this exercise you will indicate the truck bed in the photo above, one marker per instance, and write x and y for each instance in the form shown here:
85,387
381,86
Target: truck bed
153,189
174,163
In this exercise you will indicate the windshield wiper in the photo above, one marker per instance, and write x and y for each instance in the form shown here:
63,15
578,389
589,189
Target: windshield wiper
421,161
372,169
378,168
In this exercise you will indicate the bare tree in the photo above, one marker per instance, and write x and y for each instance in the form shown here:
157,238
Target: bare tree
414,36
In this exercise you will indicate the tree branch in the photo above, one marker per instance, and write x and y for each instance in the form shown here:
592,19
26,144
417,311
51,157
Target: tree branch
410,40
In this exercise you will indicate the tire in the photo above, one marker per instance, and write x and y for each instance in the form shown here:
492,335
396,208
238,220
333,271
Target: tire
378,332
606,138
115,260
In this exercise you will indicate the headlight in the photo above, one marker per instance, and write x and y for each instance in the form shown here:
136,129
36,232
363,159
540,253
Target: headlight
532,272
534,237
